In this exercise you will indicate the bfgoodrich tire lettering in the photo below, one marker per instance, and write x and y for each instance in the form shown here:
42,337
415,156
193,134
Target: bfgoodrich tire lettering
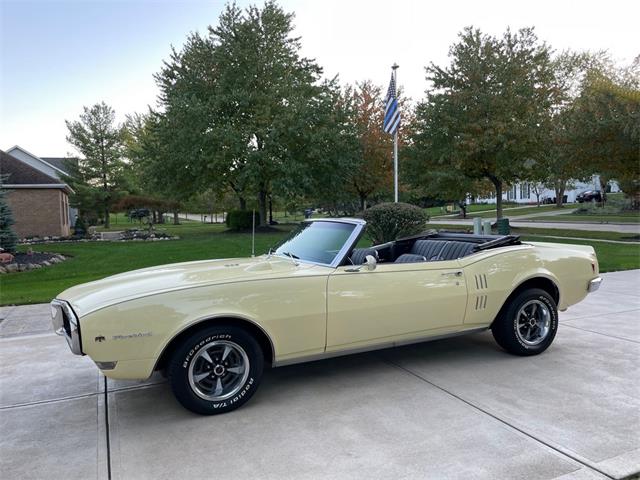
216,370
528,324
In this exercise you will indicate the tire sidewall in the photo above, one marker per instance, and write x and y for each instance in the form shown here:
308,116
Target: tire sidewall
513,324
184,355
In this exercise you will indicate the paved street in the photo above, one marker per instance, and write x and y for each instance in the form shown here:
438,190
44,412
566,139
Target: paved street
453,409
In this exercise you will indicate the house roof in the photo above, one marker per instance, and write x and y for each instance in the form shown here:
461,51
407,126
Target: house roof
22,175
37,158
61,163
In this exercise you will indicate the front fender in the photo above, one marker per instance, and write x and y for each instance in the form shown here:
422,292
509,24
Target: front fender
291,312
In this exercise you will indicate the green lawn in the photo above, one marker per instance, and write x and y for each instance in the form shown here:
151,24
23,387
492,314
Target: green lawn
489,211
93,260
555,232
512,213
612,257
613,218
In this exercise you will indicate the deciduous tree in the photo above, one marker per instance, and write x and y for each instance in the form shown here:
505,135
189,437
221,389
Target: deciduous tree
483,114
97,178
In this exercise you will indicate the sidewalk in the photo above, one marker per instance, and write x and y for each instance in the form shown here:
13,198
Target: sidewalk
454,409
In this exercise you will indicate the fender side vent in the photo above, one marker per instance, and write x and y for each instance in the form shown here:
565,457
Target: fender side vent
481,281
481,302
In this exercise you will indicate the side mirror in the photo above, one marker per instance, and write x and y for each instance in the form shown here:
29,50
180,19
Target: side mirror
370,262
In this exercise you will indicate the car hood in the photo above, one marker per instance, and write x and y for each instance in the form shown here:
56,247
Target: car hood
92,296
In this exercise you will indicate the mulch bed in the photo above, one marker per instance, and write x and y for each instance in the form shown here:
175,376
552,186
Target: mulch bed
24,261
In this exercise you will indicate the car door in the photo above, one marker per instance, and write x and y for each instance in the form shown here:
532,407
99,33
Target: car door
393,302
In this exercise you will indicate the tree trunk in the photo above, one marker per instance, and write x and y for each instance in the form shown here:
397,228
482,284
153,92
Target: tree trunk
463,209
262,207
497,183
560,194
176,221
603,188
243,202
107,220
270,210
363,203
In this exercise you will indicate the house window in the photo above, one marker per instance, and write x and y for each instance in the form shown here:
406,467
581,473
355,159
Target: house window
525,190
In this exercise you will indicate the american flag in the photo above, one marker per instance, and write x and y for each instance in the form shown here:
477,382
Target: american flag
391,110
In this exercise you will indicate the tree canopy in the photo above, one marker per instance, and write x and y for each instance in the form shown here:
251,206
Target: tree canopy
97,178
485,112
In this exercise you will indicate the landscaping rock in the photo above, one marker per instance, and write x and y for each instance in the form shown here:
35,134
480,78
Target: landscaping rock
32,261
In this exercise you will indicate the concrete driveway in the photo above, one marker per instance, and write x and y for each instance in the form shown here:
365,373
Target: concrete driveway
458,408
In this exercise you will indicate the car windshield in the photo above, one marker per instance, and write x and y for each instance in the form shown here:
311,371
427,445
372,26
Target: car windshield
317,242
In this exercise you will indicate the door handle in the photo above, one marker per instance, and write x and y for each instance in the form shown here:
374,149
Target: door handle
455,274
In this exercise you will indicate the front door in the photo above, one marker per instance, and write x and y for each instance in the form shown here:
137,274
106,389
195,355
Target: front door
394,302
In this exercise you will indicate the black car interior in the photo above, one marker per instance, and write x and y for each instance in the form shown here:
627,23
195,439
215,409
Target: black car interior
431,248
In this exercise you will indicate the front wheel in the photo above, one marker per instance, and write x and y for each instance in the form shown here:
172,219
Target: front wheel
528,324
216,370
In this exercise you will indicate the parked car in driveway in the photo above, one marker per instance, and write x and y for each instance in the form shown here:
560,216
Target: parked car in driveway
213,325
589,196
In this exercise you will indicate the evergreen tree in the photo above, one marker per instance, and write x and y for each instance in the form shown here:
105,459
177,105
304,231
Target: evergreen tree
8,238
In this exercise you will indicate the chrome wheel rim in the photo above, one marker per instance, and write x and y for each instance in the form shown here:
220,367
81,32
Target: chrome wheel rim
533,322
219,370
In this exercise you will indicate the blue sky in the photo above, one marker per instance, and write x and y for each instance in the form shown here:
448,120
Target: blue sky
56,56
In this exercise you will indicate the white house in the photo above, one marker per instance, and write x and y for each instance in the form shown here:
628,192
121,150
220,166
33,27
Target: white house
524,192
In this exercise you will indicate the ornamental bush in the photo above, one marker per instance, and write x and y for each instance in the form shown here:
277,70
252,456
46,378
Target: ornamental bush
241,220
390,221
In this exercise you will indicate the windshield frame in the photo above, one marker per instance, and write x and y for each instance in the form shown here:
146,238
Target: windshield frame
349,244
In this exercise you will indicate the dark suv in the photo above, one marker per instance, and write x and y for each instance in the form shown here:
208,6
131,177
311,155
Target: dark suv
589,196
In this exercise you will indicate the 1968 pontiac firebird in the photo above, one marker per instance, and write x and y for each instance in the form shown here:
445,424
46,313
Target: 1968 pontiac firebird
212,325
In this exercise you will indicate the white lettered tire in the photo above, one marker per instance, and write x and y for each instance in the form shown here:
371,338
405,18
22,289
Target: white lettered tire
216,370
528,324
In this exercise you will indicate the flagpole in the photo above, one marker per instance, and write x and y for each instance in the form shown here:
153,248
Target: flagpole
395,167
395,144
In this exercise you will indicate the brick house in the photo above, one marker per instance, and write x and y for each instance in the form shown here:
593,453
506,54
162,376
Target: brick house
39,202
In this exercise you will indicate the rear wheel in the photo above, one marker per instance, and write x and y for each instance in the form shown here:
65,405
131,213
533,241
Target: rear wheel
528,324
216,370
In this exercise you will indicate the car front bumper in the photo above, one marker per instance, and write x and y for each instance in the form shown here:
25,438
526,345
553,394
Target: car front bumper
594,284
66,324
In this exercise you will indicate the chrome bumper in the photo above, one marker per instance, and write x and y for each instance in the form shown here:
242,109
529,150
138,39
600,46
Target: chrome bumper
594,284
65,324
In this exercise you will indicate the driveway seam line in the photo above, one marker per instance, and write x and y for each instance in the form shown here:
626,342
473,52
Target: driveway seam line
608,313
52,400
76,397
106,429
603,334
494,416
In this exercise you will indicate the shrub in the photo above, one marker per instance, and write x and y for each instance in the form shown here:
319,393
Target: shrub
80,227
241,220
8,238
389,221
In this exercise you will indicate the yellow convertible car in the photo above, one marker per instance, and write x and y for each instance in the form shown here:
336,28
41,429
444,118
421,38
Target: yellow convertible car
212,325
